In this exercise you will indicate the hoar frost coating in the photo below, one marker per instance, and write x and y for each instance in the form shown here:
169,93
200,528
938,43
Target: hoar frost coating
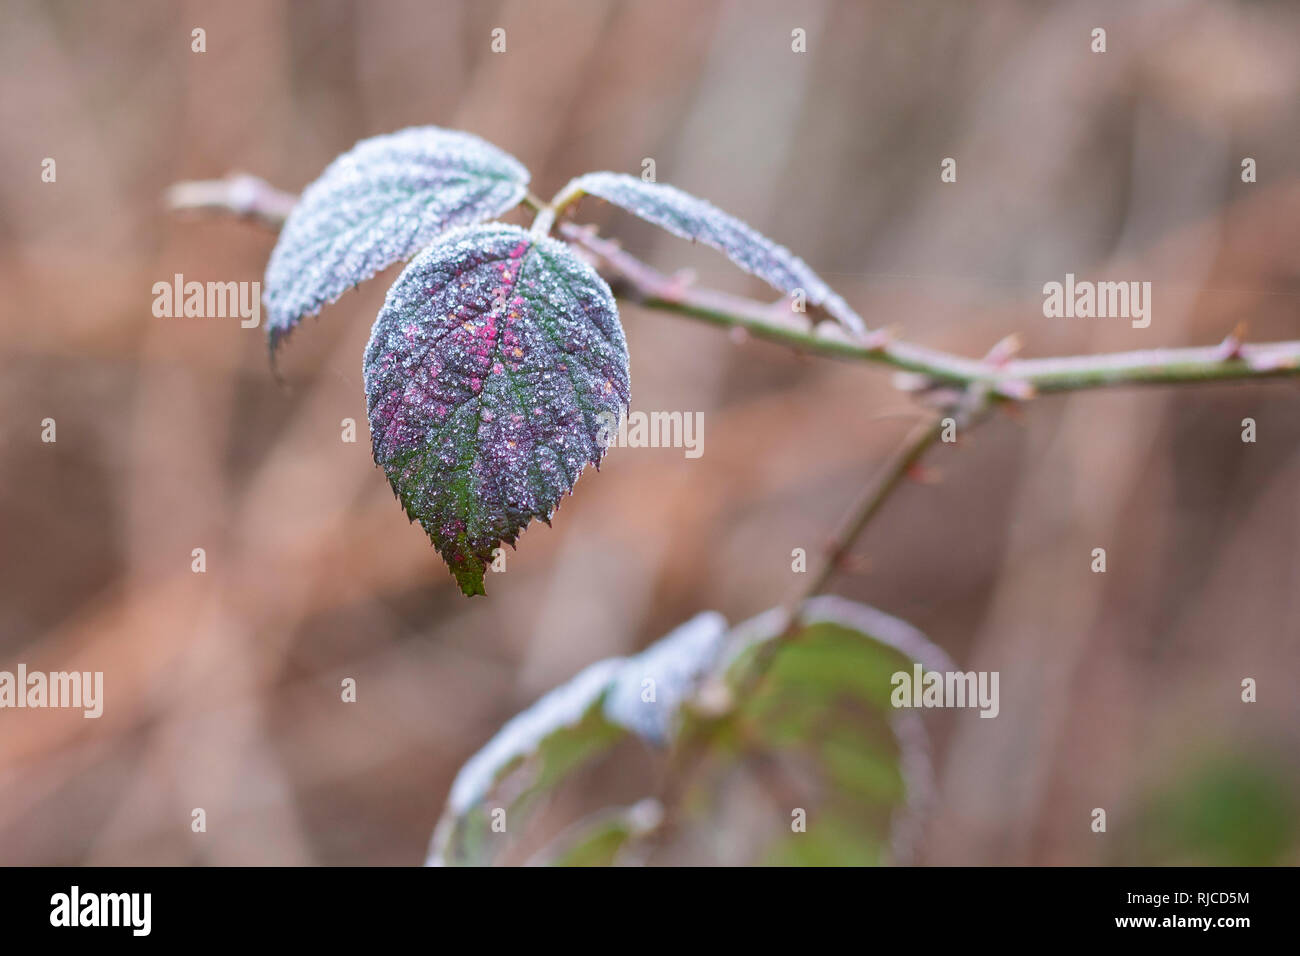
697,219
379,203
488,373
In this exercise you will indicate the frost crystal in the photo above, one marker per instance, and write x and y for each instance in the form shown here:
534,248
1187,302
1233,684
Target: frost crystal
565,706
675,664
380,203
689,217
488,375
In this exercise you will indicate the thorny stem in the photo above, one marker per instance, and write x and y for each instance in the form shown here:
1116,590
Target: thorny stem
1015,379
873,497
917,442
775,322
687,758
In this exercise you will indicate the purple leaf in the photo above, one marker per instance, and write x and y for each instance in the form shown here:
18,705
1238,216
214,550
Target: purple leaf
492,368
689,217
380,203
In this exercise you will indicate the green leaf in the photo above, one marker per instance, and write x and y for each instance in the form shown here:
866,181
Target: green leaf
1226,809
492,372
377,204
692,218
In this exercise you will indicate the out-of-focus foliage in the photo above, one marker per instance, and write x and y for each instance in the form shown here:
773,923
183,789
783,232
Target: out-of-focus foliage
1226,811
817,723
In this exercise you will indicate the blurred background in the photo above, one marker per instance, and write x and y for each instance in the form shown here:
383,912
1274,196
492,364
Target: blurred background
1118,690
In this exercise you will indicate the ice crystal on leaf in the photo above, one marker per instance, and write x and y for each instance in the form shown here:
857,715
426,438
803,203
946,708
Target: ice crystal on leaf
377,204
690,217
489,374
672,666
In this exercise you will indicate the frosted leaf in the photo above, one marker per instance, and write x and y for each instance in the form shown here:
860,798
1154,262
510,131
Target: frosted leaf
489,374
689,217
675,664
563,707
529,756
568,725
379,203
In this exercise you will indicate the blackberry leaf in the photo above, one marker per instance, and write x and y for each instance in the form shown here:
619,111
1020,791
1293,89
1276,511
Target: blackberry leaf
379,203
493,366
689,217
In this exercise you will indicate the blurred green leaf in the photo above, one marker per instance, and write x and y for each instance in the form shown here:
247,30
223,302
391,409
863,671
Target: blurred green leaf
819,728
1228,811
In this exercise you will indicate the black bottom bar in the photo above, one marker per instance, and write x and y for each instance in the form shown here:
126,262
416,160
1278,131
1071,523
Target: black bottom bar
333,905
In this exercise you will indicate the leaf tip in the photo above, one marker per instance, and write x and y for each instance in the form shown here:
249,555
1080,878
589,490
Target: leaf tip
469,575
